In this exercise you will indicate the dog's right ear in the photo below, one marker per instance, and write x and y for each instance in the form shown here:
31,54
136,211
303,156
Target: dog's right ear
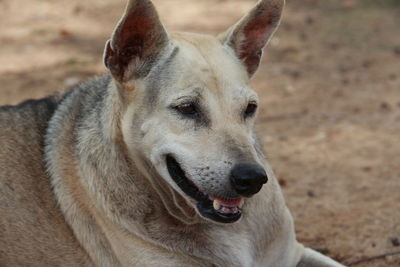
136,42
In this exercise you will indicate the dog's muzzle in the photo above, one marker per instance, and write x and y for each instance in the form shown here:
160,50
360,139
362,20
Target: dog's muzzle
246,179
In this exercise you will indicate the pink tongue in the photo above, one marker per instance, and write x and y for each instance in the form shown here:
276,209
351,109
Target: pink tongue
231,203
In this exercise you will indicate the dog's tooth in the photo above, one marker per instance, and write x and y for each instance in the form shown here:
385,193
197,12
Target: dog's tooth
241,203
225,210
216,204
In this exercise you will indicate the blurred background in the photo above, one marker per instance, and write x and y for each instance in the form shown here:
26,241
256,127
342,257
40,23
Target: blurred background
330,90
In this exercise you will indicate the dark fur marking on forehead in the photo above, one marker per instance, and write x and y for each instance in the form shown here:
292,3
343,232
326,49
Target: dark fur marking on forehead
157,75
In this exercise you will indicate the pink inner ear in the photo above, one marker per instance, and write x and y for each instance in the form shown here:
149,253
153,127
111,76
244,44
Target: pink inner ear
137,40
255,34
135,30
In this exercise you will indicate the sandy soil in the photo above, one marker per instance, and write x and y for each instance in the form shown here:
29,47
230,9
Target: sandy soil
330,88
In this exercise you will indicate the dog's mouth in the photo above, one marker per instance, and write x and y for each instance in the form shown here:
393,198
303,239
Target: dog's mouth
211,207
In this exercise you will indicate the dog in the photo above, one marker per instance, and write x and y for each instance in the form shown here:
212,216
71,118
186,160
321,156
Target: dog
154,163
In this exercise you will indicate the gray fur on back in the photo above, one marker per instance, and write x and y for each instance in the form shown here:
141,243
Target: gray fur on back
33,231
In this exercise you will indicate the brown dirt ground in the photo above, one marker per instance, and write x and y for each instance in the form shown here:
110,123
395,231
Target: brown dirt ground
330,87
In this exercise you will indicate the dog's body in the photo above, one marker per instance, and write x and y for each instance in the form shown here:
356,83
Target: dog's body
99,175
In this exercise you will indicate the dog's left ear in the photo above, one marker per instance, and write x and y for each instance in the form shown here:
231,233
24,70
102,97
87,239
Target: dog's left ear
136,43
249,36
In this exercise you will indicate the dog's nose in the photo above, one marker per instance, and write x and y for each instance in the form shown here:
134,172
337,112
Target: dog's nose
247,179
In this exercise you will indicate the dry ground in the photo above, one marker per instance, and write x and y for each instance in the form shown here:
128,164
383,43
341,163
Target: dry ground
330,87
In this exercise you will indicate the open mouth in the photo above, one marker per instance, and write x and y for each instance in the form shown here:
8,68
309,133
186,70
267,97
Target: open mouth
211,207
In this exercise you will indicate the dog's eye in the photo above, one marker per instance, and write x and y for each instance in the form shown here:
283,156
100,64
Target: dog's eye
188,109
250,110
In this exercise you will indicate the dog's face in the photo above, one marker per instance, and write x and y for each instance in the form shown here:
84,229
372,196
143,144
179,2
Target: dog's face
190,107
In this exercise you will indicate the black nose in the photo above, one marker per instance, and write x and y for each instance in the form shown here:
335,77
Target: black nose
247,179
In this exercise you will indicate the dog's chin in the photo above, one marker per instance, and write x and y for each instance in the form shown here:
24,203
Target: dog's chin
210,207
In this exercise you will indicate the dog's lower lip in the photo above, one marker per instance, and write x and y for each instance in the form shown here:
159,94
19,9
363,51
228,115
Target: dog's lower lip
231,212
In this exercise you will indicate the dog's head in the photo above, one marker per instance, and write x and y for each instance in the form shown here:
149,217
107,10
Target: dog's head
189,106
